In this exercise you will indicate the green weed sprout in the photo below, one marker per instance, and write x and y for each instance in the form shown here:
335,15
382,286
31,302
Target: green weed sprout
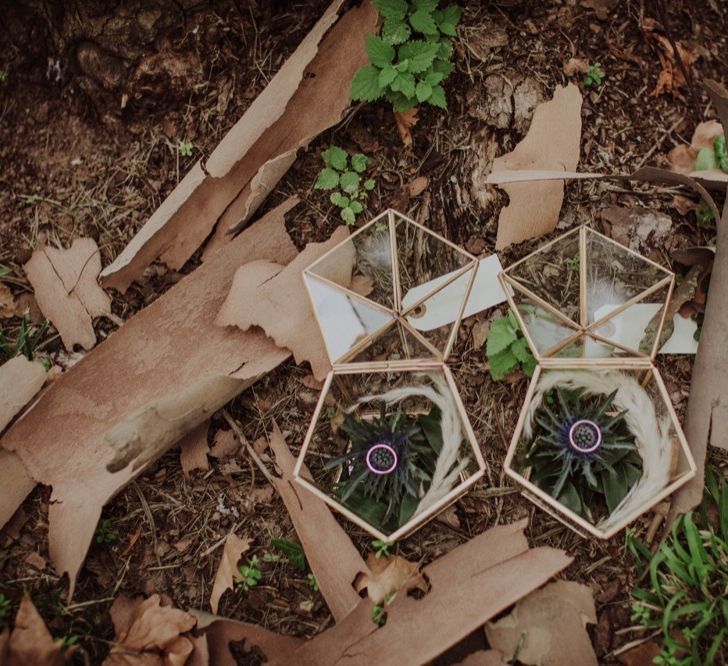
507,349
344,175
594,75
250,574
105,532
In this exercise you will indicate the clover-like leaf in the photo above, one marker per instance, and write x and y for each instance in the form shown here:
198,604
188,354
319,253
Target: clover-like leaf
347,214
338,199
328,179
359,162
335,158
349,182
365,86
380,52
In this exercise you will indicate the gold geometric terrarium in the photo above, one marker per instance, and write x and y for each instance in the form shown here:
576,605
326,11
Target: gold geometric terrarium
390,444
597,442
394,283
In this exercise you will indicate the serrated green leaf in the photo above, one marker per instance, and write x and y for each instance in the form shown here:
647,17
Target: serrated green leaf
401,103
442,66
706,160
359,162
404,83
395,31
328,179
396,9
369,184
426,5
349,182
347,214
422,21
433,78
380,53
403,66
338,199
365,86
356,207
500,337
419,55
438,97
451,14
528,366
521,350
387,75
502,364
449,29
445,49
335,158
423,91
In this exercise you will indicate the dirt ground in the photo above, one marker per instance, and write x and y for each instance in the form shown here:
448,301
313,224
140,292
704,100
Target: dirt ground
94,103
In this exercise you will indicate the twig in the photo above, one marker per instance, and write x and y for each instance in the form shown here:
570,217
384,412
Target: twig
150,518
251,451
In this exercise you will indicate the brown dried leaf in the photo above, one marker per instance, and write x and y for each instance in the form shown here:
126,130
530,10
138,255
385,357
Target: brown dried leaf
484,658
671,77
227,570
389,575
30,642
7,302
308,94
705,134
288,317
226,444
641,655
362,285
67,292
682,159
552,142
576,66
417,186
146,628
194,449
406,120
548,627
64,441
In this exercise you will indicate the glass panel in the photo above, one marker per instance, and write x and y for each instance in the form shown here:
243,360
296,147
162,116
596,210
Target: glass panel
395,344
552,274
375,448
424,260
343,319
544,328
634,327
366,254
615,275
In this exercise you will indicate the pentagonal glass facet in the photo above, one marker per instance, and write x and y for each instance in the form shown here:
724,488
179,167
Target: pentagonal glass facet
586,281
389,448
639,456
391,269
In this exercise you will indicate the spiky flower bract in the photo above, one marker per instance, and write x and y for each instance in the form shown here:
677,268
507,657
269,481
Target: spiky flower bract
391,458
583,452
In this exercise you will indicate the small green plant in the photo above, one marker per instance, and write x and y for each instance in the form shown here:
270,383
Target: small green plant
507,349
704,214
344,175
293,552
30,199
271,557
381,549
67,641
688,576
412,57
312,582
184,148
250,574
583,452
105,532
3,75
379,614
26,342
5,609
594,75
4,270
713,158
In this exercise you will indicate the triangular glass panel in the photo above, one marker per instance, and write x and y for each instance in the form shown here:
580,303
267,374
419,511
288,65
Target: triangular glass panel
552,273
424,260
366,254
633,328
394,344
544,328
615,275
345,320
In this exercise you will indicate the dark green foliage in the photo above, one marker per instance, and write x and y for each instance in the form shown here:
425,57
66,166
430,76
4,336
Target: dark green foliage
387,501
507,349
293,552
412,57
685,599
26,343
350,192
580,480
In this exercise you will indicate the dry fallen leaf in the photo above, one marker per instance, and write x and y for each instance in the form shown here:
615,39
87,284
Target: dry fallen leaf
288,317
144,629
225,444
194,449
576,66
484,658
227,570
7,302
406,120
417,186
671,77
389,575
146,366
20,380
362,285
552,143
30,642
308,94
683,158
548,627
642,655
67,292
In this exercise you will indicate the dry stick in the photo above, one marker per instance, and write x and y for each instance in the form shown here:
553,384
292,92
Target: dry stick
708,400
251,451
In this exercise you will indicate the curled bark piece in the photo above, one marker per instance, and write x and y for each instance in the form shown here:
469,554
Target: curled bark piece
153,429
